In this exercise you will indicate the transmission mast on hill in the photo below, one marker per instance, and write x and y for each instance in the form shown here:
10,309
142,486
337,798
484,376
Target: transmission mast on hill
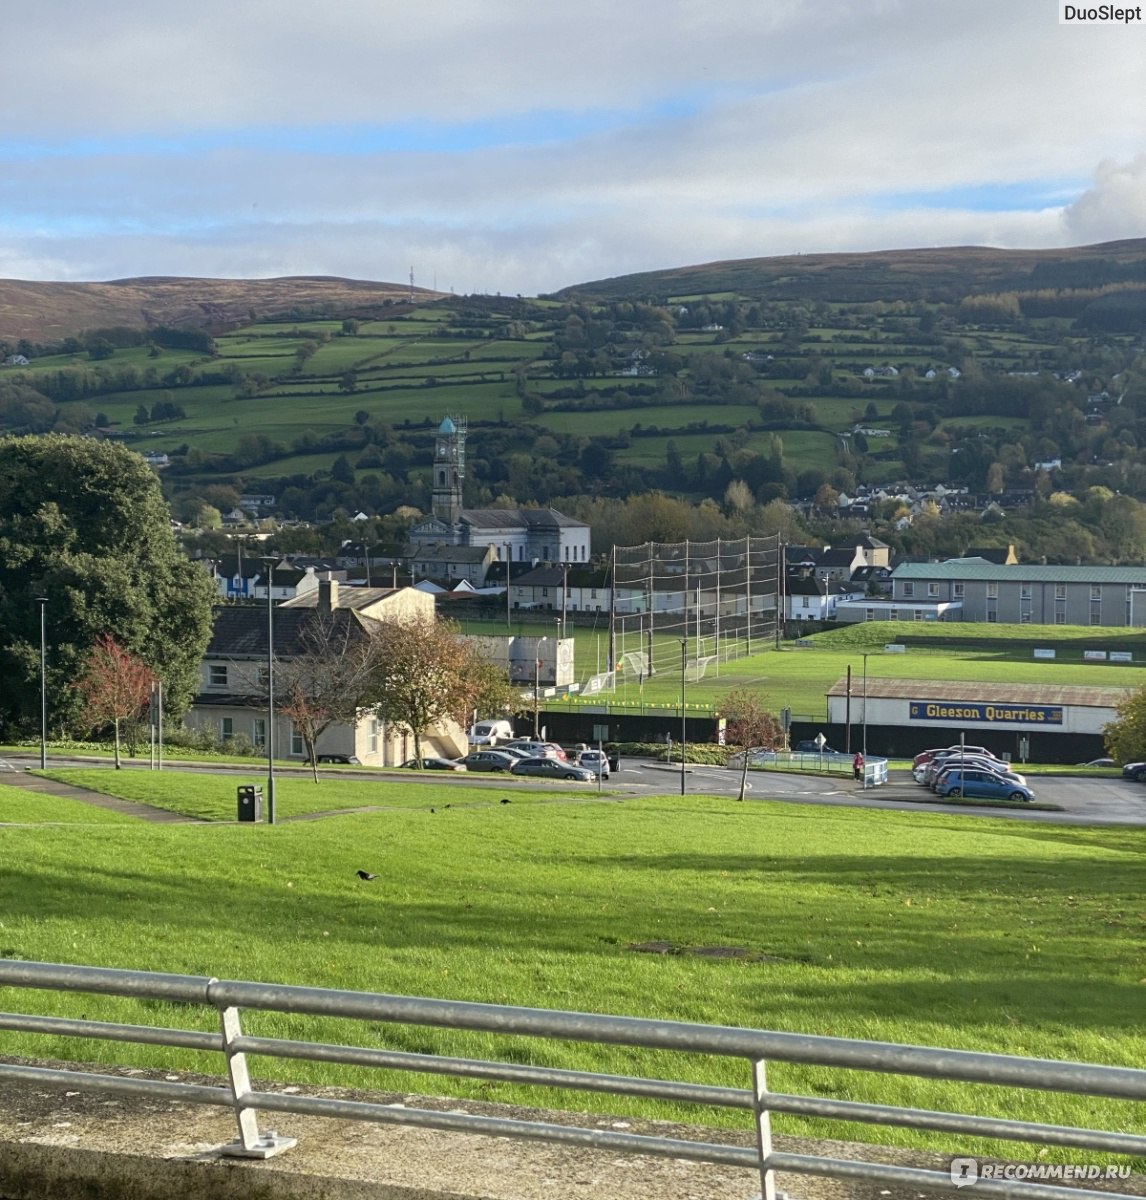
411,285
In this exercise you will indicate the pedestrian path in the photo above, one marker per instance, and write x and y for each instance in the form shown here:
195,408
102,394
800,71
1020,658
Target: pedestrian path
129,808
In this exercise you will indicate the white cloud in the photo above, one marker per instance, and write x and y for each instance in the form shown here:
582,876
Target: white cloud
220,138
1114,207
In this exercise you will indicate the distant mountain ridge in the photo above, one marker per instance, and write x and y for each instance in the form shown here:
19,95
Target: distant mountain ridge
49,312
941,275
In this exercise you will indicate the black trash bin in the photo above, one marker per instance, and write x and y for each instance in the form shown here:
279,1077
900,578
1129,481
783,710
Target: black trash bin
250,802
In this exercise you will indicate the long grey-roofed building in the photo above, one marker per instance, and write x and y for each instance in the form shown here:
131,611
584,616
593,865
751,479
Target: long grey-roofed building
1023,594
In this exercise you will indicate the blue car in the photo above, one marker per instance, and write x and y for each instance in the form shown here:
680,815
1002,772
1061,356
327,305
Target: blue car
982,785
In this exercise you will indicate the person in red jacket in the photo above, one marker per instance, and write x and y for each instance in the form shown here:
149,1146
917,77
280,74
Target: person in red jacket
857,767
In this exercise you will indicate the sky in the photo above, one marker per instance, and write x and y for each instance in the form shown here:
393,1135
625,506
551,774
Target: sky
521,146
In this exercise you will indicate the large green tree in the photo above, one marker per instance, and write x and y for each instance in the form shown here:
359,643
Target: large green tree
84,524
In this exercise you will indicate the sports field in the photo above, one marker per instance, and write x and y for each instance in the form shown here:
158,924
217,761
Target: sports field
798,677
925,928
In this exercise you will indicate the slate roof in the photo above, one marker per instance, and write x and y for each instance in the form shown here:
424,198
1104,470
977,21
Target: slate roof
1022,572
448,554
240,631
507,518
348,597
988,693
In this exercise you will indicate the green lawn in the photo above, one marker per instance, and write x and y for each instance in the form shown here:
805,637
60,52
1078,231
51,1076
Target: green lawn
18,807
921,928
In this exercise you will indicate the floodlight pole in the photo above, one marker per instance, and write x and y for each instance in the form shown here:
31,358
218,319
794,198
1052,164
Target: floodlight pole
43,602
537,686
270,564
683,721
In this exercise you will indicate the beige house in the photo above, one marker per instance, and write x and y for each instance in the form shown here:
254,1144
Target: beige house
231,700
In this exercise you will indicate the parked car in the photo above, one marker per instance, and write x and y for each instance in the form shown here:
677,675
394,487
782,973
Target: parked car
350,760
982,785
945,758
535,748
1135,771
553,768
1099,762
981,764
809,746
927,755
488,760
434,764
596,761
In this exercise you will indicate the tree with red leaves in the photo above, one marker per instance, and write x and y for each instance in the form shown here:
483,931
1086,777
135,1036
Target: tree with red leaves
116,686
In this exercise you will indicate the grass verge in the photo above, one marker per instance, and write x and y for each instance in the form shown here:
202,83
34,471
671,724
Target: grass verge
892,926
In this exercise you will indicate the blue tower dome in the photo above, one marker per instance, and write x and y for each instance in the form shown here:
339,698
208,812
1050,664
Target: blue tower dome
447,426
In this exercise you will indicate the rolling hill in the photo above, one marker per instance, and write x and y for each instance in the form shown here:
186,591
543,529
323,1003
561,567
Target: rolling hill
50,312
937,275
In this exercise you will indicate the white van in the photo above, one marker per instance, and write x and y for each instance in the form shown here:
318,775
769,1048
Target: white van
490,733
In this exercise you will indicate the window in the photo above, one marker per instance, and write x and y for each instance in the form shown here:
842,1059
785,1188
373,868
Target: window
296,743
1096,591
957,590
895,614
372,735
592,593
1060,591
1060,618
1095,617
1025,617
226,728
804,601
908,588
933,590
993,589
869,614
1024,591
917,615
992,616
217,676
259,731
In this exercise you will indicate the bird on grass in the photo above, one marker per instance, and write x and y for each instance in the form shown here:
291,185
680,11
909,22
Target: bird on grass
505,799
365,875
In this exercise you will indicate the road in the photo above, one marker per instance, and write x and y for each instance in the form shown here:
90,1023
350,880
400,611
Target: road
1083,800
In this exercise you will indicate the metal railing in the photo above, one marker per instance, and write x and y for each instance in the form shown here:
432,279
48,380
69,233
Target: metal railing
756,1047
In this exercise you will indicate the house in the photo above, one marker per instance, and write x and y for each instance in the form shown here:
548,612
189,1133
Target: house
811,599
379,603
231,701
16,360
244,577
446,564
560,589
1022,594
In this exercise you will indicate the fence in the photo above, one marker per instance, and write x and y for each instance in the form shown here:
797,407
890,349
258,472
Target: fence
755,1047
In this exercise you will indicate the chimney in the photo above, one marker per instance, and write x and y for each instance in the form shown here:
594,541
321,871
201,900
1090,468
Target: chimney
327,595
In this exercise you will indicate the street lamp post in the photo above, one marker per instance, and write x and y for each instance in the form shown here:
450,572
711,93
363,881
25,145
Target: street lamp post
683,724
270,564
43,602
865,708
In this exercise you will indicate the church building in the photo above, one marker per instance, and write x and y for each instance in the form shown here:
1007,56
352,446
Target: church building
517,534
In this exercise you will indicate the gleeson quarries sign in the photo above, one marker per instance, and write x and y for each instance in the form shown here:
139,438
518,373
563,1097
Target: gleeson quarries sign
960,710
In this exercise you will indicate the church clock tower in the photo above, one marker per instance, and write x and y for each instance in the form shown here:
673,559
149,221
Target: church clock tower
449,470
